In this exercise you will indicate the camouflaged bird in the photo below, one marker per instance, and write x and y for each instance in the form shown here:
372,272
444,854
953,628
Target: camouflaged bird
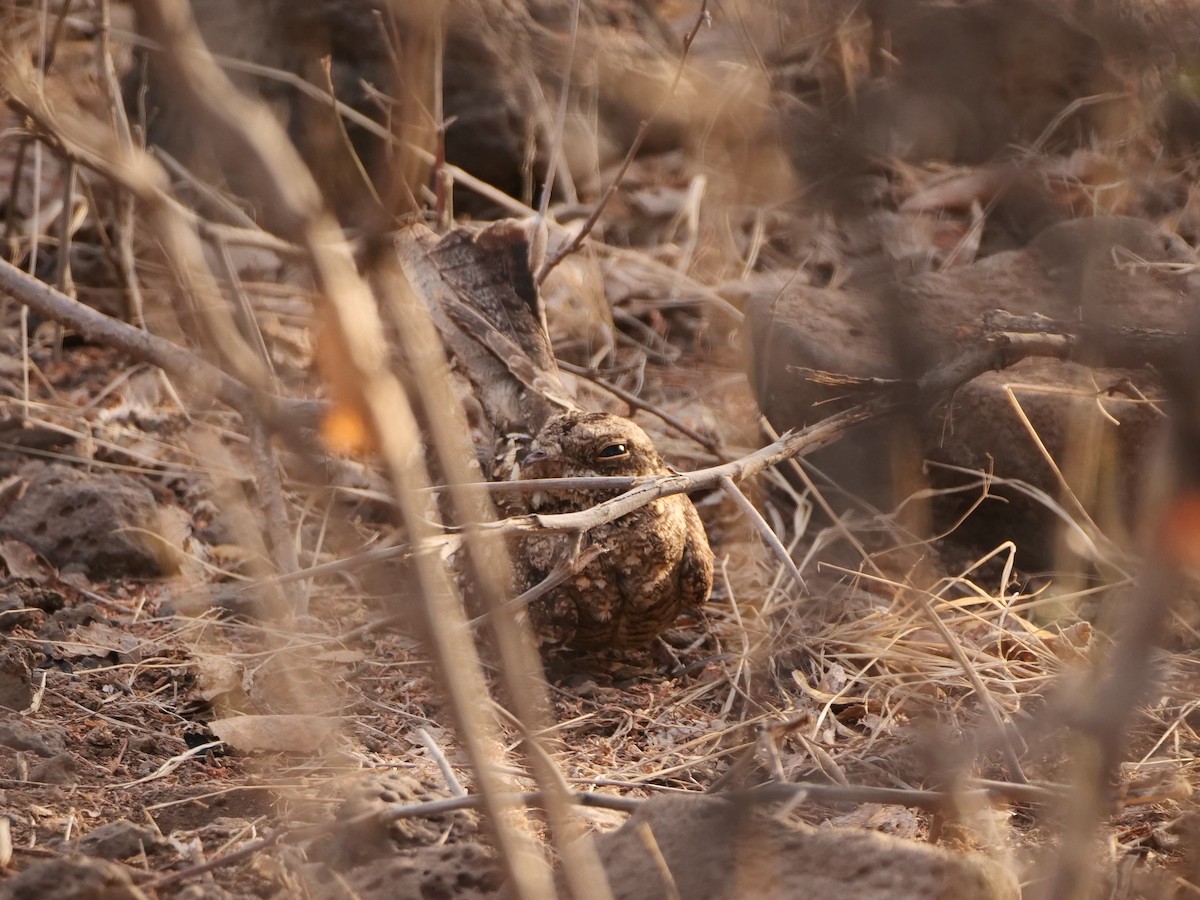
655,561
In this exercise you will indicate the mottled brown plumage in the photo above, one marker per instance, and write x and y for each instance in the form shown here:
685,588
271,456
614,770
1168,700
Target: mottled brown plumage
656,561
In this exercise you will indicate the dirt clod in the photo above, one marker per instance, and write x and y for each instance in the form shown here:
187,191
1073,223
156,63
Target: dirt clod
73,878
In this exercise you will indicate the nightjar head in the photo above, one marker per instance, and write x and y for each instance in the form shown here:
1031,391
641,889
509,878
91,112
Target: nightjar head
577,444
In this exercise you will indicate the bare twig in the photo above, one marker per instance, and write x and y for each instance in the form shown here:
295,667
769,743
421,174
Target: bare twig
1102,722
126,203
918,799
637,402
560,120
792,444
270,488
764,529
929,389
561,573
768,793
250,139
1097,344
443,764
702,19
199,375
393,813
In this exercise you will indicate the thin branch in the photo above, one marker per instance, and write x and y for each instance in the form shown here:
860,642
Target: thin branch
704,18
270,489
443,764
392,813
795,443
560,117
180,363
561,573
764,529
934,801
250,139
986,790
637,402
126,204
996,352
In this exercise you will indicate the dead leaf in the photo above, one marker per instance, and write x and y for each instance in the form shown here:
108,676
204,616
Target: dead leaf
296,734
98,639
22,562
894,820
1069,643
216,675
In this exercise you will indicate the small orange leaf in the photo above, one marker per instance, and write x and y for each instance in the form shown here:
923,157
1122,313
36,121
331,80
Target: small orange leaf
1180,533
345,431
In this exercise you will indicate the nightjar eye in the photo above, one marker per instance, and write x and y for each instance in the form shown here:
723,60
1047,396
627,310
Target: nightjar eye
613,451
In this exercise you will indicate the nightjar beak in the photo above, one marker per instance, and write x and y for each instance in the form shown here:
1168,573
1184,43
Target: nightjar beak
535,456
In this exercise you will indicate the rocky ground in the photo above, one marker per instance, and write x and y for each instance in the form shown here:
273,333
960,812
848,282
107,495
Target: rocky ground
215,680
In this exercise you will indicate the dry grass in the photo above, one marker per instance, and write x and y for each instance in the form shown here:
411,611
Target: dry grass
904,661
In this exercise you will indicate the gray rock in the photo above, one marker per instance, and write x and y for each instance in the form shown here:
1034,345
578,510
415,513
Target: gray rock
62,769
16,686
464,871
101,523
73,878
40,740
717,850
118,840
1077,271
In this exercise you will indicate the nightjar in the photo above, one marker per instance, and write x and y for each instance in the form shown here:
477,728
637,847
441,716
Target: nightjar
655,561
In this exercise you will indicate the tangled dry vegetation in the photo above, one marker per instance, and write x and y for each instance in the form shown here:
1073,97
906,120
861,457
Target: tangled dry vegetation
234,656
